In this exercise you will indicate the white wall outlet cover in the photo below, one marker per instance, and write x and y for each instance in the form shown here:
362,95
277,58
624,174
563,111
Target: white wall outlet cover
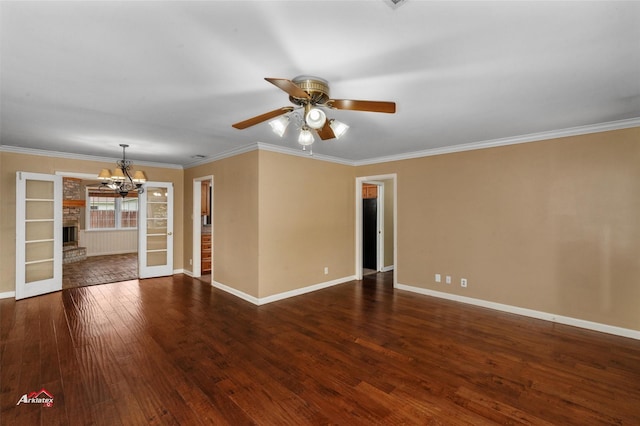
438,278
448,279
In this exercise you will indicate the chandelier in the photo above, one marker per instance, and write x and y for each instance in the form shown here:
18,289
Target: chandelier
121,180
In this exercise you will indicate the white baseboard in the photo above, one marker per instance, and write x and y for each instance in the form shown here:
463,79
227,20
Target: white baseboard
388,268
8,295
603,328
309,289
244,296
284,295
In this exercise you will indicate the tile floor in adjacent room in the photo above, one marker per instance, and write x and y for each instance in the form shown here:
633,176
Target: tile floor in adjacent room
100,270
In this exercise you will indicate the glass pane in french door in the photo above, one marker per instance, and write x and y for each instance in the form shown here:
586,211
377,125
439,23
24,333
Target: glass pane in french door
39,230
156,224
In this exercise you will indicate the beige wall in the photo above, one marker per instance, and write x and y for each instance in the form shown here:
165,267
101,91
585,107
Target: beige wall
307,219
235,219
10,163
278,220
552,226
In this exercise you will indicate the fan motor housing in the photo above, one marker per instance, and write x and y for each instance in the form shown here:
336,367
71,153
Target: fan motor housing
316,87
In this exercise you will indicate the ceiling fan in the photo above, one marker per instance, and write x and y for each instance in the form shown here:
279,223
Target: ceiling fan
309,94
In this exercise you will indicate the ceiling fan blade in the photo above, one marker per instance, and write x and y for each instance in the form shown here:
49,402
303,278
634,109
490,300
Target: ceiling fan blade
326,132
263,117
371,106
289,87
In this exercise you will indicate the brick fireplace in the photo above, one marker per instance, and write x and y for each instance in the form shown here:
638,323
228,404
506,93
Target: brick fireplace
72,203
70,235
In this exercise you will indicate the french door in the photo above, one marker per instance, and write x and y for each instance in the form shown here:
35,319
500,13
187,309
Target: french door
155,230
38,234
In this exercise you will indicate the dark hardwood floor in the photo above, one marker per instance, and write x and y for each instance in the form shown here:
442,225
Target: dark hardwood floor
175,350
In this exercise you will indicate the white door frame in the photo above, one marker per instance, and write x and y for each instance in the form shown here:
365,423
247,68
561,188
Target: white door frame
358,231
196,252
379,224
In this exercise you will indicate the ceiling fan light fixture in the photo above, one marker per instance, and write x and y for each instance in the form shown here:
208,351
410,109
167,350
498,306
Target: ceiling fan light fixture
315,118
338,127
305,138
310,95
279,125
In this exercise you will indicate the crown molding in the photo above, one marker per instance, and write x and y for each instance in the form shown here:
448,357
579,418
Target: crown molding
493,143
82,157
261,146
301,153
226,154
532,137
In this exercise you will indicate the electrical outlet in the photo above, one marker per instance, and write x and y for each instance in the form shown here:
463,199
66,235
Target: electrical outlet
448,279
438,278
326,270
463,282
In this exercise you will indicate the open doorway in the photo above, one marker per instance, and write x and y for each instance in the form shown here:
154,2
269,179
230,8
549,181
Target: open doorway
202,259
375,224
372,227
100,231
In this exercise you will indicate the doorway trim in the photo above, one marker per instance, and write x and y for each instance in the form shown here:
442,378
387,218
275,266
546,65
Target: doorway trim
196,251
358,231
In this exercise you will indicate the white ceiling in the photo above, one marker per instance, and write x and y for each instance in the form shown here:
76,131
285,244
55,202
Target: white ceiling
169,78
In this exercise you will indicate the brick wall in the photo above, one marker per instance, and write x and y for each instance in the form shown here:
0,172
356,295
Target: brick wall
72,189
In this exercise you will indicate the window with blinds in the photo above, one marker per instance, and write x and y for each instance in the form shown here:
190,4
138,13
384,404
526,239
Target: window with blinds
110,211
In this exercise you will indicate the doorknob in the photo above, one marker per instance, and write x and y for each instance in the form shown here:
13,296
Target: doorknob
169,233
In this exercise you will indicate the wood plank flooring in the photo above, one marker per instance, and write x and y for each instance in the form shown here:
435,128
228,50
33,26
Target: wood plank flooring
176,351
